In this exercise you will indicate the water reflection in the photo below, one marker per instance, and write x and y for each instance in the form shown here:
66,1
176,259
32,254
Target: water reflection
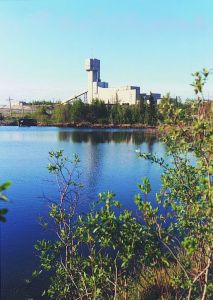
95,152
136,137
108,162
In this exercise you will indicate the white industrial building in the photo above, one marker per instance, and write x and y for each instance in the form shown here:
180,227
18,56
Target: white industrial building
98,89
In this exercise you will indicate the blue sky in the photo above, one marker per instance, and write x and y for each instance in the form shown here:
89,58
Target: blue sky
155,44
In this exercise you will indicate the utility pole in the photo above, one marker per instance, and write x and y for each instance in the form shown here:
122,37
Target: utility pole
10,106
22,109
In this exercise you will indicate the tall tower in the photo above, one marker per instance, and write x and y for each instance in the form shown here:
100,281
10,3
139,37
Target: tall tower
92,66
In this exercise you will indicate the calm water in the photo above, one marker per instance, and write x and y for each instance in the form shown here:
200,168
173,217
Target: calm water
108,162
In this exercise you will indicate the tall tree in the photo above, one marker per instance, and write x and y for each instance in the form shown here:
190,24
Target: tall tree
152,110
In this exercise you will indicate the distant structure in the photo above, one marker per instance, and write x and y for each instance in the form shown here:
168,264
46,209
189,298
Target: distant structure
98,89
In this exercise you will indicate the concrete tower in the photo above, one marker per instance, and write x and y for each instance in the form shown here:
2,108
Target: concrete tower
92,66
98,89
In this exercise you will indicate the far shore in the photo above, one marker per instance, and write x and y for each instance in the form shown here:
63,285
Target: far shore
88,125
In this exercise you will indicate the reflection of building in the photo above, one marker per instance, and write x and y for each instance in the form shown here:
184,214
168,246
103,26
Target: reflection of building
98,89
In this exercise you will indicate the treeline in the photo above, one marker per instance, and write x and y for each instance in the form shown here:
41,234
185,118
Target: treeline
147,113
43,102
99,112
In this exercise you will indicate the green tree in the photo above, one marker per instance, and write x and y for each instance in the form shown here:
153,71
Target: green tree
127,114
62,113
42,115
152,111
78,111
116,115
98,112
186,194
173,112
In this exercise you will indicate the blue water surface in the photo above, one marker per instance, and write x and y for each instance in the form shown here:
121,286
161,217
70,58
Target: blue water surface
108,162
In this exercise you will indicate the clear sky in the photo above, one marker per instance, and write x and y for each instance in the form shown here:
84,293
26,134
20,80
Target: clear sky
155,44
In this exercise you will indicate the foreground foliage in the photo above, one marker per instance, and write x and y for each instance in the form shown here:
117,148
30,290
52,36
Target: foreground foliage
164,253
3,198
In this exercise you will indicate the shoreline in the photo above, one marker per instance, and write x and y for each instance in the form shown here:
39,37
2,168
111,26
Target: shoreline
85,125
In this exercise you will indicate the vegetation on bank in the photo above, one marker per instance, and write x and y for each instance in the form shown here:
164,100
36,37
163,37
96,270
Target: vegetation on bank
164,253
143,113
99,113
80,114
42,102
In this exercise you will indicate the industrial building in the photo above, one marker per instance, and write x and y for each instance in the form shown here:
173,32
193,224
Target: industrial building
98,89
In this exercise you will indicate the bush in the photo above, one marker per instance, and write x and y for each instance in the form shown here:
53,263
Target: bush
165,254
3,211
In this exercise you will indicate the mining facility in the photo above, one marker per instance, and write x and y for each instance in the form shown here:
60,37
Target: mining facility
98,89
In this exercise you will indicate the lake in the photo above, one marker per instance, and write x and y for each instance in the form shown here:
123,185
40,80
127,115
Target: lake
108,162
